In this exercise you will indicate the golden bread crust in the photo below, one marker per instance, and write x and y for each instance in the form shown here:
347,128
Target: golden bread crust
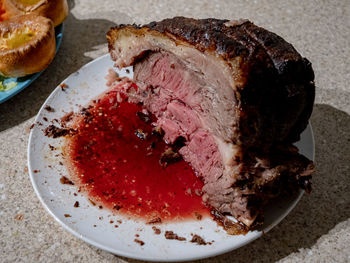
33,55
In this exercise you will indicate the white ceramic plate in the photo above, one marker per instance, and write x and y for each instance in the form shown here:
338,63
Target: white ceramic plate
59,199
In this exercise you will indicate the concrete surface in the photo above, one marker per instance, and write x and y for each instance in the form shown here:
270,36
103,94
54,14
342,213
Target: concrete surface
317,230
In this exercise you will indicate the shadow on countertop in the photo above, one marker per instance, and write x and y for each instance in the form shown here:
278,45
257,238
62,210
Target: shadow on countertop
317,213
80,37
326,206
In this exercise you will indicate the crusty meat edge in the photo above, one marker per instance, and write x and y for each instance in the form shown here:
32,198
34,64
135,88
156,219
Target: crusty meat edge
235,56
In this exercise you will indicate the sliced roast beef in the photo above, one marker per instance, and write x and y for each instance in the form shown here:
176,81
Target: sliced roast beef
237,94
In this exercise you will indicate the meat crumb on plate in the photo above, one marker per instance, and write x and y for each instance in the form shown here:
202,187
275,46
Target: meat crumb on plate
156,230
156,220
172,235
198,239
140,242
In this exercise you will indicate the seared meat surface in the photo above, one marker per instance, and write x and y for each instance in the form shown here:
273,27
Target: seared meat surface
237,94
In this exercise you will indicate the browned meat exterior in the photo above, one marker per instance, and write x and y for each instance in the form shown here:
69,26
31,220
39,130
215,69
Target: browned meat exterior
237,94
272,81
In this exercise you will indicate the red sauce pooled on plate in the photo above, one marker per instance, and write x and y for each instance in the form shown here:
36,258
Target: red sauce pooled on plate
115,158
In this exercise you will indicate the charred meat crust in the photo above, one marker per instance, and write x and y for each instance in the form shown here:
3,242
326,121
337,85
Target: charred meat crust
230,41
268,90
277,82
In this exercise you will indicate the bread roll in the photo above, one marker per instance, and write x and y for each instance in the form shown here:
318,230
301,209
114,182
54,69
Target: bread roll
56,10
27,45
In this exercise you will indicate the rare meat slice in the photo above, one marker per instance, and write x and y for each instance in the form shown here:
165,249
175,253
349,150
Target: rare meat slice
236,94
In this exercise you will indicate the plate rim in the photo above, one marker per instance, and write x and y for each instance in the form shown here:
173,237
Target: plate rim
217,252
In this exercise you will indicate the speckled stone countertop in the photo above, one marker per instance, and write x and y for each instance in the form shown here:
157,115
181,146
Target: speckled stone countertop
317,230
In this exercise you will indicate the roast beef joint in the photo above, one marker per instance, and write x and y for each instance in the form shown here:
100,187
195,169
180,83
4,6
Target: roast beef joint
238,97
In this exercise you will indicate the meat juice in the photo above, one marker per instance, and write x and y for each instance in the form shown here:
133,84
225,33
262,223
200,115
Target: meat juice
114,157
